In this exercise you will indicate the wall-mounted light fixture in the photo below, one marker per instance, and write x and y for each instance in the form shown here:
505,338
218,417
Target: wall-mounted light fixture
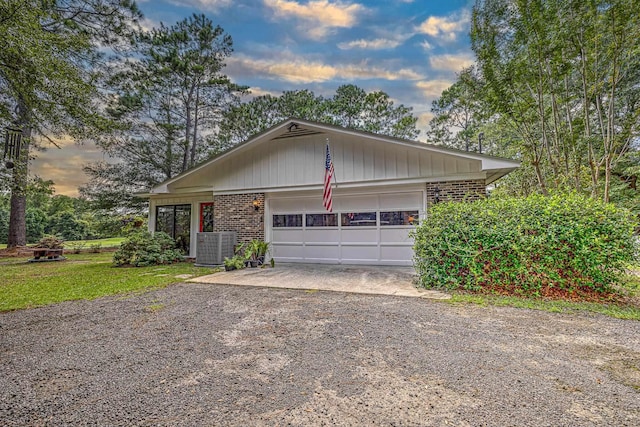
436,195
256,204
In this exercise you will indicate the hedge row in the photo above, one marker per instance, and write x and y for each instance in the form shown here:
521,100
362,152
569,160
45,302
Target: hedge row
526,246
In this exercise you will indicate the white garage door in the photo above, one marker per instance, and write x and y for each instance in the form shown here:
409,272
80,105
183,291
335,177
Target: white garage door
363,229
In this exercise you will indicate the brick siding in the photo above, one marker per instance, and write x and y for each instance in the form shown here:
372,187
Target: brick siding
468,190
235,212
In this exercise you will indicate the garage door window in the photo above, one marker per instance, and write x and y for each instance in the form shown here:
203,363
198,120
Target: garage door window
322,220
287,221
399,218
358,219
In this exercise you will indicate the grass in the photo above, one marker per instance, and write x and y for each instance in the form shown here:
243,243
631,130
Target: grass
110,242
83,276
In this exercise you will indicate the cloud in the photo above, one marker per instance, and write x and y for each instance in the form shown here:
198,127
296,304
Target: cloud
433,88
296,70
64,166
446,27
375,44
320,16
258,91
451,62
426,45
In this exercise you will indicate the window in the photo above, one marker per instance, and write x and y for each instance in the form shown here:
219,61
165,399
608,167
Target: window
322,220
206,217
175,220
291,220
399,218
358,219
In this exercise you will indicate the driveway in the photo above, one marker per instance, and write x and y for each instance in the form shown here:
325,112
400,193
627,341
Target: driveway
197,354
361,279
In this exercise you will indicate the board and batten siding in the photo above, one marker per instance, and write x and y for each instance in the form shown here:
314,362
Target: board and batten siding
299,161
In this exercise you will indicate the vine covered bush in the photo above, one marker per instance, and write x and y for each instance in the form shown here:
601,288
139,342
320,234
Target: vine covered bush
144,248
535,246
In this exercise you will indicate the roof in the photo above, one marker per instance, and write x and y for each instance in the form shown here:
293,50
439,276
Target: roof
494,167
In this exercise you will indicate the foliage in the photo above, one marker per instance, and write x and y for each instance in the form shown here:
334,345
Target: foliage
51,242
143,249
459,112
84,276
236,262
350,107
256,249
169,97
536,246
563,78
50,53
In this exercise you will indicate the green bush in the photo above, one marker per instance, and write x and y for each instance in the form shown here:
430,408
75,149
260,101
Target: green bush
529,246
143,248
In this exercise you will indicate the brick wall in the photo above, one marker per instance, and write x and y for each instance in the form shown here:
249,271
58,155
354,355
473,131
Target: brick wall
457,190
235,212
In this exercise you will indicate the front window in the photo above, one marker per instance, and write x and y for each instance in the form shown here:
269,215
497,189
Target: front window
175,220
358,219
322,220
287,221
399,218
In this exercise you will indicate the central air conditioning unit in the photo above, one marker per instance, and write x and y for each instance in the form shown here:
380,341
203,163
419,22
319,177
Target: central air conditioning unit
212,248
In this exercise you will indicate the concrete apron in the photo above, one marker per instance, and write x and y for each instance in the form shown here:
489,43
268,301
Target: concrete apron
362,279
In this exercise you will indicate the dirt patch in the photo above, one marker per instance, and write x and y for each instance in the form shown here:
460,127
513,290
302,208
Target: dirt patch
195,354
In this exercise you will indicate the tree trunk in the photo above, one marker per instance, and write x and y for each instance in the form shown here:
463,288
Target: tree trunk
18,213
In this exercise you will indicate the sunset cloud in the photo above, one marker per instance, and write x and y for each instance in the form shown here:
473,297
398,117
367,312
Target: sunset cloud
446,27
301,71
451,62
320,17
375,44
433,88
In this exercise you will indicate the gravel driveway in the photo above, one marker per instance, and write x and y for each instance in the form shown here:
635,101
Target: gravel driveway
195,354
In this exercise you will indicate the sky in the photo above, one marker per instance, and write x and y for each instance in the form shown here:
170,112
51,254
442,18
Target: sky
410,49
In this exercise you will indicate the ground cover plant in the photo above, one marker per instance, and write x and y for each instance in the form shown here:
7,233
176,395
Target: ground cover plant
81,276
563,246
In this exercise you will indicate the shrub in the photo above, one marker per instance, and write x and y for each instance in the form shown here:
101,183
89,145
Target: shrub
530,246
143,248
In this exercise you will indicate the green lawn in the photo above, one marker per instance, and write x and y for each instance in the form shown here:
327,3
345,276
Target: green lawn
82,276
111,242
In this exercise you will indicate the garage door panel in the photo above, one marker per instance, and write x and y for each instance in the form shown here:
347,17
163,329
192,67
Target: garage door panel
287,235
357,203
322,235
396,253
286,250
400,200
352,253
360,235
330,252
395,235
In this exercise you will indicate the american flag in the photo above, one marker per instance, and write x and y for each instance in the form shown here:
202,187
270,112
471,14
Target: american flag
328,174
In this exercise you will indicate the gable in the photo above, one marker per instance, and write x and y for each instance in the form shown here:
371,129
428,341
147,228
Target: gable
292,155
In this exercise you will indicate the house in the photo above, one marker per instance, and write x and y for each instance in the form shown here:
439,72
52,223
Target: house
271,187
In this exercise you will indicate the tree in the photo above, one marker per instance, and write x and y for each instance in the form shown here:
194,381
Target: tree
564,76
48,54
350,107
169,99
459,113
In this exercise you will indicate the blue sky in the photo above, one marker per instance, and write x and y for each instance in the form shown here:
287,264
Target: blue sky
410,49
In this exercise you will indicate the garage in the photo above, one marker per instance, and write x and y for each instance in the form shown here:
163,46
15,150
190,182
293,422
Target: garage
362,229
